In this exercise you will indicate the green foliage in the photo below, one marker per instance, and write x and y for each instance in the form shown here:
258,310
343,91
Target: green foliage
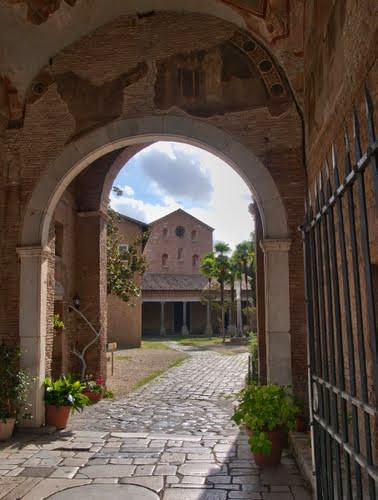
14,384
254,345
123,267
94,385
265,408
108,394
65,391
244,258
57,324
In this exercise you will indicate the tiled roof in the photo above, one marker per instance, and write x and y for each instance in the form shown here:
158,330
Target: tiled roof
157,281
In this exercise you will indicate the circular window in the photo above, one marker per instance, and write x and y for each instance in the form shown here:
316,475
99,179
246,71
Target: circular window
180,231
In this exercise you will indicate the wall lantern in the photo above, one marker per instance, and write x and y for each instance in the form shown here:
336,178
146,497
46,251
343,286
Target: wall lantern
76,301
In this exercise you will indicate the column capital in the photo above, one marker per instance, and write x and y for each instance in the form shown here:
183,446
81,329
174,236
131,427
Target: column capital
32,251
270,245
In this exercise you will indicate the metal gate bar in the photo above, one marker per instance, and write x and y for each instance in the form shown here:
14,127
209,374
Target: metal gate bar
342,323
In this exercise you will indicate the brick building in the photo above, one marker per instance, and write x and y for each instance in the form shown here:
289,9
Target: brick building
173,288
275,88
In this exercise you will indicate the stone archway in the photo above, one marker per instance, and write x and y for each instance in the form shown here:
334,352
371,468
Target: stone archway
82,152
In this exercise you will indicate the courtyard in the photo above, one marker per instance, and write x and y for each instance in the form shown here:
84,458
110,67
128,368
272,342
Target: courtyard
171,439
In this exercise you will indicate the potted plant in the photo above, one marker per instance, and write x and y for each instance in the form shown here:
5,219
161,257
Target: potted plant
13,390
94,389
63,396
268,412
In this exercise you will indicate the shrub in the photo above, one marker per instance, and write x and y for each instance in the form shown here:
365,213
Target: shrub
265,408
66,391
14,384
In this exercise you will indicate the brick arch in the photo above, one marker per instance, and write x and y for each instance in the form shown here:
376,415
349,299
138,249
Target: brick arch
133,132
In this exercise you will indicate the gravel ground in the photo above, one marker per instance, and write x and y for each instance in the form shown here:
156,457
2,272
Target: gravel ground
131,366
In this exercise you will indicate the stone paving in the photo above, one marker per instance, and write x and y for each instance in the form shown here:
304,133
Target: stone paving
170,440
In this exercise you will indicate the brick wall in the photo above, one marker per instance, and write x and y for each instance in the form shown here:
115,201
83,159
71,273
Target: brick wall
270,128
196,240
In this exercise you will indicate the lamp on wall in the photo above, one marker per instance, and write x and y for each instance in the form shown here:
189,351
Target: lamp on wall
76,301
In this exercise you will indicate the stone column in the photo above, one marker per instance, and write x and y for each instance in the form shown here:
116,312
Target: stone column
260,297
277,310
184,328
209,328
163,333
33,303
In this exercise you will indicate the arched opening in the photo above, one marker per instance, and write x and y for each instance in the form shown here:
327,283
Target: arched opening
79,155
164,260
195,260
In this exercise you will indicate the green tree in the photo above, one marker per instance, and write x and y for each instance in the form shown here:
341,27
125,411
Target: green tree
208,269
123,267
222,262
244,256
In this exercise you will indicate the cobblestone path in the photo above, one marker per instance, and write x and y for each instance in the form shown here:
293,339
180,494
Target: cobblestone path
170,440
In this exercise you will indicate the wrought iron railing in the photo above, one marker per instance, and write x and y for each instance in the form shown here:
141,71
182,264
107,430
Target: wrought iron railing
342,327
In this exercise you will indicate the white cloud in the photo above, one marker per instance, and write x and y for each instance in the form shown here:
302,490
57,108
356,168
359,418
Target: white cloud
226,209
128,190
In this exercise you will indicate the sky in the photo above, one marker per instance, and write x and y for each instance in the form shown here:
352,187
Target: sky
169,175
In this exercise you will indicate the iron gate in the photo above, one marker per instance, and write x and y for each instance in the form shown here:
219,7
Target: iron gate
342,329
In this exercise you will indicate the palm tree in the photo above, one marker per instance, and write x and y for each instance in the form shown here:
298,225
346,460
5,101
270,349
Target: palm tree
222,260
208,269
245,254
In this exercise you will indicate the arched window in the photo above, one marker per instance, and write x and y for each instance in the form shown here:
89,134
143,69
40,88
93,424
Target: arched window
164,259
165,233
194,235
195,260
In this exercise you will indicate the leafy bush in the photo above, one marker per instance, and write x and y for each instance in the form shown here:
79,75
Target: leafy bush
265,408
253,345
66,391
14,384
97,386
108,394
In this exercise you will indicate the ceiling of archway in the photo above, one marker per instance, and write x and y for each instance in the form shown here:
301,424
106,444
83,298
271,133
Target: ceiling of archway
33,31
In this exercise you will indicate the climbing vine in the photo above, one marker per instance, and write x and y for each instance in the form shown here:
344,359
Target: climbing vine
123,266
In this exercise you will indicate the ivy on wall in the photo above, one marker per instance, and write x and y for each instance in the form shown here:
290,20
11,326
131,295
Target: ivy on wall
123,266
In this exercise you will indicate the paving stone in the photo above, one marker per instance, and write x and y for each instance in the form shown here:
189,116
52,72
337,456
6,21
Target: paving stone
129,434
155,483
36,472
15,472
246,480
144,470
74,462
240,495
93,471
64,472
193,480
199,469
173,458
101,491
165,470
219,479
105,480
8,484
46,487
194,494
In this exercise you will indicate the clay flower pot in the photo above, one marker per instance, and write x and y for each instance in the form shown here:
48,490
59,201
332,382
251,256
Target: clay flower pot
299,424
274,458
57,416
93,396
6,428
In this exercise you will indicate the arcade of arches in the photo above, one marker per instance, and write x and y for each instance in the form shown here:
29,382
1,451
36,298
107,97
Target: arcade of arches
264,85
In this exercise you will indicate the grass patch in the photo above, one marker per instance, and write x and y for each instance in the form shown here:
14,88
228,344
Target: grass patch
121,358
154,344
157,373
198,341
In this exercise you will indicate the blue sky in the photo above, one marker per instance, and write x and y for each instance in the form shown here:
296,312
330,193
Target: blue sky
168,175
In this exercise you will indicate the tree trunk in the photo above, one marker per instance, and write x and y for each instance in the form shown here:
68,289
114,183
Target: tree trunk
232,304
222,310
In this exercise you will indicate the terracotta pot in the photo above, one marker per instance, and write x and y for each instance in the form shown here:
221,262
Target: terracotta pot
278,439
299,424
93,396
57,416
6,428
